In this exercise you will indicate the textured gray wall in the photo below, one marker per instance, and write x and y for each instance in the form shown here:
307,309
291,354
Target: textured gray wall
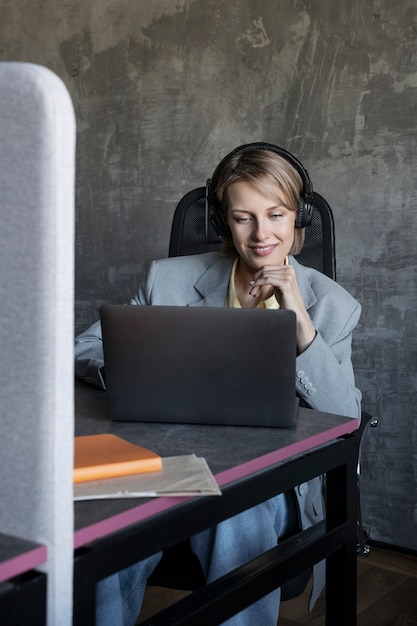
163,89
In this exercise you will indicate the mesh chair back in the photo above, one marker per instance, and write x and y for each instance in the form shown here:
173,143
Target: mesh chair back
189,234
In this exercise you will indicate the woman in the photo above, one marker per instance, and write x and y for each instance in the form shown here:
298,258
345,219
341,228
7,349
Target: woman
260,200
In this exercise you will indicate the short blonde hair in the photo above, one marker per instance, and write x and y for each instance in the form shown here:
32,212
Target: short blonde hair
268,172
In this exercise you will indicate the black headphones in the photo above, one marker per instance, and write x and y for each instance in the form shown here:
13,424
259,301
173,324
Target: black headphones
214,211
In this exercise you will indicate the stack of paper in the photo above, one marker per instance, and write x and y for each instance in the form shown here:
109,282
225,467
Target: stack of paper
109,467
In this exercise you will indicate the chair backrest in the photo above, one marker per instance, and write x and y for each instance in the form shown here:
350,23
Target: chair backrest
37,172
191,232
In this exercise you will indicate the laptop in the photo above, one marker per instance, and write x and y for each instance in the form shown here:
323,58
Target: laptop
200,365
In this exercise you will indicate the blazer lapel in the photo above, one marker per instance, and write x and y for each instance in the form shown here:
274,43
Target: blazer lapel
309,297
212,286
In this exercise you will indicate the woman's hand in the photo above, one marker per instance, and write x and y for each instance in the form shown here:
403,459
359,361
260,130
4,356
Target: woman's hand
284,283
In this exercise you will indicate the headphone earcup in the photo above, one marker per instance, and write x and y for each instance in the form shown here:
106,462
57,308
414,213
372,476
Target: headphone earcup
218,221
304,213
214,213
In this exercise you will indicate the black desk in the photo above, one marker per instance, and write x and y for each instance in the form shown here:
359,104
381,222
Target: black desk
22,587
251,465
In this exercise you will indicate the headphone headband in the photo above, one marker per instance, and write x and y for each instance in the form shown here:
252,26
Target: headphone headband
214,211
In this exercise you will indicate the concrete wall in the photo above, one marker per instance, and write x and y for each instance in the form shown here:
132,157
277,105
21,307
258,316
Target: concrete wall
163,89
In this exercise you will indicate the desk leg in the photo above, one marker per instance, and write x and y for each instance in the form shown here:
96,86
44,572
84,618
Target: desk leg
23,600
84,594
341,565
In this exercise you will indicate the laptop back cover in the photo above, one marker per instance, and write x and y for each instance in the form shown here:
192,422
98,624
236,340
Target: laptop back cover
200,365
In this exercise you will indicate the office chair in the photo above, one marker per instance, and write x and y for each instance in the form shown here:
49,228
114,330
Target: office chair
192,233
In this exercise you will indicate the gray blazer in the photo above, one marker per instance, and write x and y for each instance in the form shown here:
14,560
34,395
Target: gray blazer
324,373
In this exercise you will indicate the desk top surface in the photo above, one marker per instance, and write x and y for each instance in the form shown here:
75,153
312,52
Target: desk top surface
232,453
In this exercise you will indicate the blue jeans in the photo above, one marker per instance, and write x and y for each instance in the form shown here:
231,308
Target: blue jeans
221,549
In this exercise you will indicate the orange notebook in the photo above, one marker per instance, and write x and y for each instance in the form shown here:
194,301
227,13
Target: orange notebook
107,456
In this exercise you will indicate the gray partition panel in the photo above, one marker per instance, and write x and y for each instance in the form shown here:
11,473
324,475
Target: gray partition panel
37,171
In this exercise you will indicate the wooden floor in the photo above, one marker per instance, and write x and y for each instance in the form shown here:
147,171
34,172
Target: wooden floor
387,594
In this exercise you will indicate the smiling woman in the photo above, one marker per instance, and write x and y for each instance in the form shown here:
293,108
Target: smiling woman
260,199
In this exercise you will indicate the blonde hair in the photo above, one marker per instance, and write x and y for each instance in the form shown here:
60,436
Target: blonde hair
268,172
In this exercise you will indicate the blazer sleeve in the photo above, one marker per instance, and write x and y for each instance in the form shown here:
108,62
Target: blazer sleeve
324,372
89,359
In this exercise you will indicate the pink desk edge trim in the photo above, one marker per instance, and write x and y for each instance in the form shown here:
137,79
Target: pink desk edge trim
23,563
143,511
